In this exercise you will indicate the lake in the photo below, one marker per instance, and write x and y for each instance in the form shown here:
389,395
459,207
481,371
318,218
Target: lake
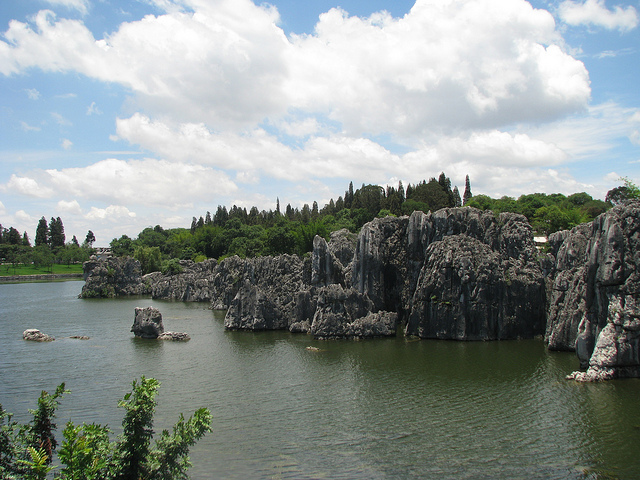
375,409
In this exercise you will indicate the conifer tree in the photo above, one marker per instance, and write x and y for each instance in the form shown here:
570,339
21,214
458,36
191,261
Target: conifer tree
42,233
467,191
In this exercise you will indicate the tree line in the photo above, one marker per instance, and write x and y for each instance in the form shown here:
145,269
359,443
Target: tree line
49,249
288,230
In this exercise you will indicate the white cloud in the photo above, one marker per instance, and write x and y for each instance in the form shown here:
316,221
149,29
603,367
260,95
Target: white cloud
147,182
93,109
32,93
3,210
595,12
79,5
228,65
71,207
26,186
66,143
28,128
61,120
112,213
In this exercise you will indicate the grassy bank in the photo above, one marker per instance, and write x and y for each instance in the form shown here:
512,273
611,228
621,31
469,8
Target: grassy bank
56,269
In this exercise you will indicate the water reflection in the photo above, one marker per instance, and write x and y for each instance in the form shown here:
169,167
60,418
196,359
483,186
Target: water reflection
387,408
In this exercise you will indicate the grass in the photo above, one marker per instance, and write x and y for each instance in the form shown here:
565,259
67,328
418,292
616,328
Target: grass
8,270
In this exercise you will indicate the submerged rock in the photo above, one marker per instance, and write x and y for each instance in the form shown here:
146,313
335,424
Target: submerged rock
35,335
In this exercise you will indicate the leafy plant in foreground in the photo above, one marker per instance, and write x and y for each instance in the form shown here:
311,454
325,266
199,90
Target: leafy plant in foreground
87,453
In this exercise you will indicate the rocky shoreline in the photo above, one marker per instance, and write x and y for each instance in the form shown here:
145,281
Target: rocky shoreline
43,277
458,274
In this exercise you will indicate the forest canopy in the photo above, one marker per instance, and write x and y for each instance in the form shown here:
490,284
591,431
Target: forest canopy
290,230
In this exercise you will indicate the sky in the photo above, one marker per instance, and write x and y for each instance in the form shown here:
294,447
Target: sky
119,115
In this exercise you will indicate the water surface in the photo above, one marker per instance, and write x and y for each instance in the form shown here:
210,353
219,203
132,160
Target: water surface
377,409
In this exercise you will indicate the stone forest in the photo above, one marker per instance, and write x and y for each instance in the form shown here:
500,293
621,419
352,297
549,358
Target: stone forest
454,274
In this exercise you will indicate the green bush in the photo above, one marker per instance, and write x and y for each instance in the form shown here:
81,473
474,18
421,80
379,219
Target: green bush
26,451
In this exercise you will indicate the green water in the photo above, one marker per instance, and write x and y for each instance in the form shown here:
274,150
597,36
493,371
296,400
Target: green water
389,408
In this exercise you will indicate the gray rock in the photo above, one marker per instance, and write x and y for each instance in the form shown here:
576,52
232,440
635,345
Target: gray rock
35,335
194,284
174,336
147,323
616,353
595,262
268,295
112,277
467,291
348,314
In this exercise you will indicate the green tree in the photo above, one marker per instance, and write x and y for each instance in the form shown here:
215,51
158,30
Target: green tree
122,246
42,233
87,453
56,233
466,196
150,259
90,238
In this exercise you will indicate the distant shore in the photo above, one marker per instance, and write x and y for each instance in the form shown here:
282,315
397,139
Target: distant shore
40,277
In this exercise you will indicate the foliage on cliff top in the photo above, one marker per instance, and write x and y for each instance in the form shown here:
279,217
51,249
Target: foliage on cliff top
291,231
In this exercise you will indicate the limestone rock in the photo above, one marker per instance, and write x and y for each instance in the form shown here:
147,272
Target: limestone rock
193,284
595,263
147,323
174,336
616,353
467,291
113,276
347,314
267,297
36,335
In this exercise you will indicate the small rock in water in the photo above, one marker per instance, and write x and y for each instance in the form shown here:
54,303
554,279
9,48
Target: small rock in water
80,337
36,335
175,336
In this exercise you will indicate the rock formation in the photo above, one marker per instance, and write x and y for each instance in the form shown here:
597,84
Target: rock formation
36,335
595,295
458,273
147,323
113,276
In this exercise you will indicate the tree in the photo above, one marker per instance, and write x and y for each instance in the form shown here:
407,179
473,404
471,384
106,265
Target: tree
56,233
467,191
457,201
149,258
90,238
42,233
87,453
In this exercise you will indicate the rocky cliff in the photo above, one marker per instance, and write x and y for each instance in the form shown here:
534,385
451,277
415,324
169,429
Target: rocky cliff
457,273
595,295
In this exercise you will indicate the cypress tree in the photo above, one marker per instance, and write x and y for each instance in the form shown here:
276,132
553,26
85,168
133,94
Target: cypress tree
467,191
42,233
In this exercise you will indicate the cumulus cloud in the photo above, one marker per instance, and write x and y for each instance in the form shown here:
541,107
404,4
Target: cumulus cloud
140,182
228,65
71,207
26,186
112,213
595,12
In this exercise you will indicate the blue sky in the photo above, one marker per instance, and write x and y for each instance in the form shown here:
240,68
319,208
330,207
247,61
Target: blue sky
118,115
